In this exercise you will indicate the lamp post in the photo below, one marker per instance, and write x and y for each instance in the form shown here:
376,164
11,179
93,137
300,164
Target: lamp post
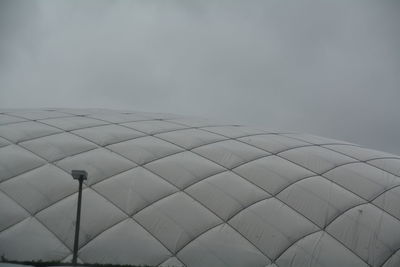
79,175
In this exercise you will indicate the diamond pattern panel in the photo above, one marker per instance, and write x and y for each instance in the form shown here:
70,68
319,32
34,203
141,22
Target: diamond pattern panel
98,214
58,146
362,179
226,194
73,123
315,158
211,196
319,199
360,153
184,169
272,234
222,246
30,240
273,143
22,131
40,187
190,138
272,173
319,249
145,149
369,232
99,164
176,220
6,119
10,212
154,127
230,153
134,189
126,243
15,160
108,134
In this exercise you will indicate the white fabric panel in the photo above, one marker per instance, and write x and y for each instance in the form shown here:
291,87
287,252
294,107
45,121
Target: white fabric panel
145,149
222,246
319,250
393,261
37,114
58,146
22,131
190,138
226,193
3,142
272,173
134,189
233,131
313,139
368,231
6,119
230,153
30,240
73,123
389,165
40,187
159,116
176,220
319,199
390,201
366,181
196,122
99,164
360,153
118,117
184,169
10,212
15,160
172,262
97,215
154,127
315,158
271,234
124,243
272,142
108,134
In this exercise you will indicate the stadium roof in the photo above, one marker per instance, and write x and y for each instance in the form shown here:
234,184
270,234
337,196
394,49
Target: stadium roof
168,190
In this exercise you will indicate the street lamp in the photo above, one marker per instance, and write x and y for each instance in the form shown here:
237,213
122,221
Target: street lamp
79,175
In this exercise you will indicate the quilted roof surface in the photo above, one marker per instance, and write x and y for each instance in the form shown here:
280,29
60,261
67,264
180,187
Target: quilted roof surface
168,190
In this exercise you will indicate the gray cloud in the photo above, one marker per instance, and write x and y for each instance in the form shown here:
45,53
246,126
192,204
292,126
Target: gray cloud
330,68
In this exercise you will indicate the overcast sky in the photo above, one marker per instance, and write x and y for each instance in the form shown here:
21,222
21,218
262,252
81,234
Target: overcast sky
330,68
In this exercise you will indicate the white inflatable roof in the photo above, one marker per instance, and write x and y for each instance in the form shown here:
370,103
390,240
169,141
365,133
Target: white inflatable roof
168,190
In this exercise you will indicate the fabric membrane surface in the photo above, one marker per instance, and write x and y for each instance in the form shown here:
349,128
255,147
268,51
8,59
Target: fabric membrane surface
170,190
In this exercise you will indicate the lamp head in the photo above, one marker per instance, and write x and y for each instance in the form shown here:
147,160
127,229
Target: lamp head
79,174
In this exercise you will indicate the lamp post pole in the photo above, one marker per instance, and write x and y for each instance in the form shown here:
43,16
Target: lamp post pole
80,176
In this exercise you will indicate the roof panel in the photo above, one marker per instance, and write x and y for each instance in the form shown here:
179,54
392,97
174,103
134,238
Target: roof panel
271,234
125,243
184,169
108,134
99,164
230,153
369,232
319,250
73,123
315,158
272,143
18,132
226,193
176,220
362,179
134,189
222,246
272,173
97,215
58,146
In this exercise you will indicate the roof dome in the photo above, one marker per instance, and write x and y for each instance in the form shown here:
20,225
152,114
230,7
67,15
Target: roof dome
169,190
